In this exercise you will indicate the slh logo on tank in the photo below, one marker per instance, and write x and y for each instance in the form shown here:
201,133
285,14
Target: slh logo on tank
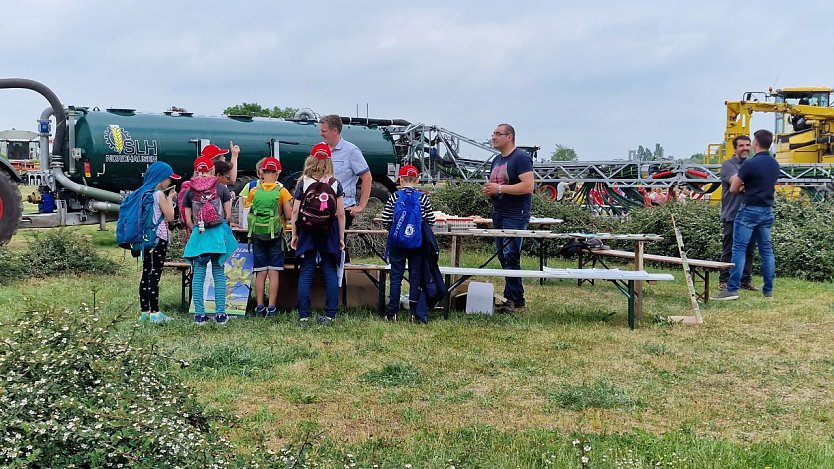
127,149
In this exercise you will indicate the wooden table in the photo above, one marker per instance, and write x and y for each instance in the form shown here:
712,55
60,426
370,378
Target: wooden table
542,236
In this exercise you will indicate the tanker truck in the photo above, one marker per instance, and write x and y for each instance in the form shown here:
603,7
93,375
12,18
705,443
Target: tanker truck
98,156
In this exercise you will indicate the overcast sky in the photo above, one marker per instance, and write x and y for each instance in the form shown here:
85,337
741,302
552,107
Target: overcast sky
600,76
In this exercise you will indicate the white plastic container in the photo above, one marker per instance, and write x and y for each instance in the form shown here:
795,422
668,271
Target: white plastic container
479,298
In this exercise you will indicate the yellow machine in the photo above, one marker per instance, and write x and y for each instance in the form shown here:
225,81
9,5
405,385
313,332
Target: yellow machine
803,127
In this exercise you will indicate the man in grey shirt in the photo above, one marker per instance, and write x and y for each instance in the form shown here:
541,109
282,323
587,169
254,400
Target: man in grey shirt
730,203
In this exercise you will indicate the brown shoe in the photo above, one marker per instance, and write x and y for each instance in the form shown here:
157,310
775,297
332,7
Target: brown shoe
749,286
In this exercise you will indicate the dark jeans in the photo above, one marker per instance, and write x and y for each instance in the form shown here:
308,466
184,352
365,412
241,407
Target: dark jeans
753,224
727,255
398,258
328,265
509,253
152,262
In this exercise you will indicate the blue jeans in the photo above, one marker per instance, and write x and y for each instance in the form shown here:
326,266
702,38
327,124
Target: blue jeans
305,283
509,252
752,223
397,258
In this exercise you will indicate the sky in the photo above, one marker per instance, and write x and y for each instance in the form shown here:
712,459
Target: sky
601,76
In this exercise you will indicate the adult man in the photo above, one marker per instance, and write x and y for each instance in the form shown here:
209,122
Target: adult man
730,202
756,178
349,166
510,187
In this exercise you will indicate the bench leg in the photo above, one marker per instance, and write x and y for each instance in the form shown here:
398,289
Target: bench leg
383,276
631,294
448,301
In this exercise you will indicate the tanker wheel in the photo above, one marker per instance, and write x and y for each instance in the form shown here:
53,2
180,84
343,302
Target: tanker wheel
379,191
11,208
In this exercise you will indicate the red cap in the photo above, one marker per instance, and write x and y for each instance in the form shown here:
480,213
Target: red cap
271,164
203,163
321,151
175,176
409,171
212,151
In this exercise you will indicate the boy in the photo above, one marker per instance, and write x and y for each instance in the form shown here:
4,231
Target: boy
397,255
269,204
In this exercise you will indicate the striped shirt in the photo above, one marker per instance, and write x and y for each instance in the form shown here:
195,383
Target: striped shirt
162,230
426,209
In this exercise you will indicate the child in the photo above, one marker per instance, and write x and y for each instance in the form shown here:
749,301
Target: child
318,231
398,255
158,178
269,204
207,208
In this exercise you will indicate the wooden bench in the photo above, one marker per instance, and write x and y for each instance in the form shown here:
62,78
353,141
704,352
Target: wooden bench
380,283
622,279
700,269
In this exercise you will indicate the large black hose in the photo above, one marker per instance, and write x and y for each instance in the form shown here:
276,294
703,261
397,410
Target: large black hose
57,107
377,122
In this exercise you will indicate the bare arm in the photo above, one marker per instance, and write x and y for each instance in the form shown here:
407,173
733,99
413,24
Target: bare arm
235,150
340,217
364,195
736,184
296,206
166,205
188,221
526,185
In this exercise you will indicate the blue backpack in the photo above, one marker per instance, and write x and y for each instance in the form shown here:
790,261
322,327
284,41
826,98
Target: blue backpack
406,229
136,228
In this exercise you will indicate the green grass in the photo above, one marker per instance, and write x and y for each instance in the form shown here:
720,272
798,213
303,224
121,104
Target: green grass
750,388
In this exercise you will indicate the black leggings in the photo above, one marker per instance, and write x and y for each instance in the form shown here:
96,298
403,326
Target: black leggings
151,273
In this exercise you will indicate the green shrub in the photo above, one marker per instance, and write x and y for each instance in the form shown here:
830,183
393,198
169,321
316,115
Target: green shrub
10,267
75,395
462,199
574,217
802,240
60,251
700,225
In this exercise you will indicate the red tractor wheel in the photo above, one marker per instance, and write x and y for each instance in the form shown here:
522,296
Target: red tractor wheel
548,191
11,208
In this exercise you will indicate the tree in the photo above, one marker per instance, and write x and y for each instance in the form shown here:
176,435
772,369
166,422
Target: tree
564,153
697,158
256,110
645,154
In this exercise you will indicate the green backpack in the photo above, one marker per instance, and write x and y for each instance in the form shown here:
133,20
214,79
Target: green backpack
265,213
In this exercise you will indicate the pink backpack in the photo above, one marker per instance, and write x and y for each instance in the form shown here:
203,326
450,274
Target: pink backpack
206,207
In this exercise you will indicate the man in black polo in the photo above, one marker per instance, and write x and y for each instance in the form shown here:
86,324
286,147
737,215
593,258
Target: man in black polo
730,202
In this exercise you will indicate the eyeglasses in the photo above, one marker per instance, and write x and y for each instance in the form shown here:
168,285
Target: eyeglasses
495,134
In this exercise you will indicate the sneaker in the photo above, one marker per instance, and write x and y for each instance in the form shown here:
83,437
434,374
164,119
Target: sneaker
158,318
200,319
506,307
270,311
722,286
144,316
221,318
726,295
304,323
767,294
260,311
325,320
749,286
391,317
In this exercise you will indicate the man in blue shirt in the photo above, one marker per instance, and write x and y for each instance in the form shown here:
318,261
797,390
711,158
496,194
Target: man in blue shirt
756,179
510,187
349,167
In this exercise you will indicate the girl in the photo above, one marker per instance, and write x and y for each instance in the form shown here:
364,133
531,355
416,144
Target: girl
313,247
158,178
208,207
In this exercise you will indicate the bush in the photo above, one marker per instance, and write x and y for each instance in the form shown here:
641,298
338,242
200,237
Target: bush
802,240
10,267
700,225
74,395
462,199
62,251
574,217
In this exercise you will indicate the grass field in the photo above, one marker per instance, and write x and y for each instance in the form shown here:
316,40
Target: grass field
751,388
